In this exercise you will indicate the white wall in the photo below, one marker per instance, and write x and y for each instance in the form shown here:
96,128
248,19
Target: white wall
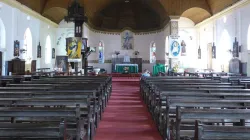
187,33
112,43
234,23
15,23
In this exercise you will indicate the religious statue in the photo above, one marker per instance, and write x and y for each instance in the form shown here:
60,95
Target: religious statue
183,48
127,41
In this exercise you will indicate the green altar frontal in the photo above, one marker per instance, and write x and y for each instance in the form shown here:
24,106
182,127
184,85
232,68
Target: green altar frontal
126,68
158,68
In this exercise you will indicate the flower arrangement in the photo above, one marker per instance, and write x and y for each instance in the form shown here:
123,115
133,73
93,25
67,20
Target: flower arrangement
175,68
126,69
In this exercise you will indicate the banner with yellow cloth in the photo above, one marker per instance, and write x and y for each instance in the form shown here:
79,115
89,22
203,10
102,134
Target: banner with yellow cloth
74,46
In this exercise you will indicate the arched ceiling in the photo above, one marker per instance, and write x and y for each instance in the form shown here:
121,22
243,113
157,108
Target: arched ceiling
136,14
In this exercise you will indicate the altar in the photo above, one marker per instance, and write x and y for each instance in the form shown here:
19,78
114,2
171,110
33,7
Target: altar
126,68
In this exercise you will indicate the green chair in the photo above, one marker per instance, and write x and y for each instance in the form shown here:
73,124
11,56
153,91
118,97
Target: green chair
158,68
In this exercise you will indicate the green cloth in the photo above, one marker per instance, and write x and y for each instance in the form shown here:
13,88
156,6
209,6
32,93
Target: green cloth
132,69
158,68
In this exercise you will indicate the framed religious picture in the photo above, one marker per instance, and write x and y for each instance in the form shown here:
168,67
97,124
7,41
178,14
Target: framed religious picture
53,53
213,51
62,63
199,52
16,48
39,51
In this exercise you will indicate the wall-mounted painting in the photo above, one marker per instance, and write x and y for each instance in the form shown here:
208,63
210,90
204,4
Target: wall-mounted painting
127,38
39,51
175,47
53,53
62,63
16,48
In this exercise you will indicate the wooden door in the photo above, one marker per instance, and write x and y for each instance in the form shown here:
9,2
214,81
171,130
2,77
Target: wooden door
33,66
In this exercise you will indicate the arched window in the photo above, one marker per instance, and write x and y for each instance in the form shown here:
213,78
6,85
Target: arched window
248,38
48,50
28,46
152,52
101,52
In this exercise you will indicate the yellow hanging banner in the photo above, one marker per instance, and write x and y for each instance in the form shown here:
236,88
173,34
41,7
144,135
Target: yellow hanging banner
74,46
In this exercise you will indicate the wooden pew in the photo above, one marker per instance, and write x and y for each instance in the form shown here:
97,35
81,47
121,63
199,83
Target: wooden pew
102,93
57,95
86,110
168,107
208,132
208,94
209,114
47,115
10,131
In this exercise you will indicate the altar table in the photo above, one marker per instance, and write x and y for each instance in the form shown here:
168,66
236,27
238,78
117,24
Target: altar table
131,68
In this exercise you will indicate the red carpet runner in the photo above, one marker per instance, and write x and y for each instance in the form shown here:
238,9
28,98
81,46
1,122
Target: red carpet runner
126,117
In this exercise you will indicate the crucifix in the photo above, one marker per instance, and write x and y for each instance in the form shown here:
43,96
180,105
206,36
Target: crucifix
76,15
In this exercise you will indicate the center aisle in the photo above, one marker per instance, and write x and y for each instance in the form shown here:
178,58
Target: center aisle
126,116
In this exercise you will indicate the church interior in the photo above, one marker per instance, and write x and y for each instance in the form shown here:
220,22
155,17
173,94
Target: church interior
124,70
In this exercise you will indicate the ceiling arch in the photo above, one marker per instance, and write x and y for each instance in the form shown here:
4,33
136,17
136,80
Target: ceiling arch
54,9
196,14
